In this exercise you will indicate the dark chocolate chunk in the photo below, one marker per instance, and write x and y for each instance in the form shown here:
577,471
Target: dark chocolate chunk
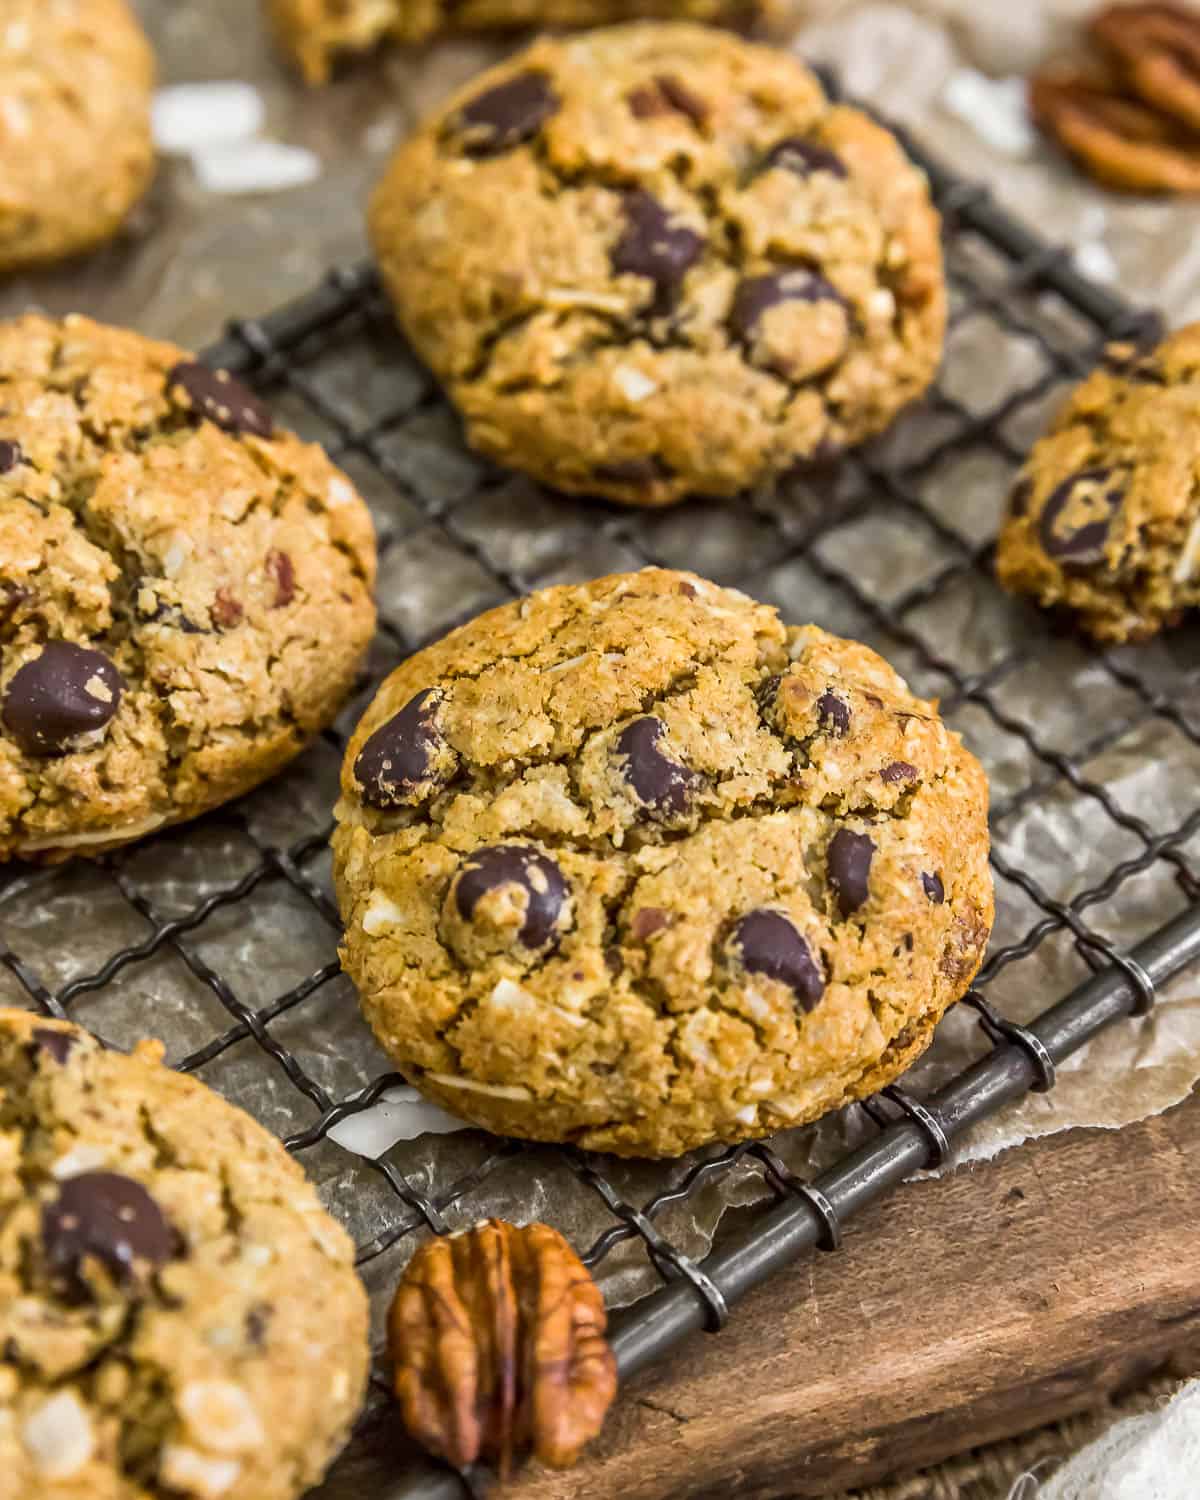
657,780
492,868
10,455
833,715
667,95
648,920
1098,493
215,394
803,157
55,1044
66,692
767,943
933,888
652,245
106,1217
756,295
503,117
282,573
848,863
398,760
899,770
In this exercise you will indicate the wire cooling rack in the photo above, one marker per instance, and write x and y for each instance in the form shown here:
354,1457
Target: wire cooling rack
892,545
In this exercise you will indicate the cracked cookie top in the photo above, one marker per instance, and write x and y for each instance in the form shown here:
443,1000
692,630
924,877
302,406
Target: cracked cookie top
655,261
1105,519
632,864
75,145
185,590
178,1314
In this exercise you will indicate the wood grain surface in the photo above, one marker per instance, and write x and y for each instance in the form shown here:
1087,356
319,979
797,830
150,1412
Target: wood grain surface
961,1310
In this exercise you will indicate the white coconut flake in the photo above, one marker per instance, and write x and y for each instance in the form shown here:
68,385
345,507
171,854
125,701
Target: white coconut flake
189,117
473,1086
255,167
221,1416
340,492
98,835
508,994
15,116
400,1114
1096,260
382,913
58,1436
79,1159
1189,555
195,1473
996,109
632,384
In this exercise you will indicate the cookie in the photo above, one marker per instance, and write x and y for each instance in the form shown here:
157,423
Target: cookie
1105,519
75,145
185,590
1157,50
317,33
178,1314
656,261
633,865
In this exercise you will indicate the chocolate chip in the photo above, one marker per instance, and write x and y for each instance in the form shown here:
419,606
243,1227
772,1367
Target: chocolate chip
633,471
503,117
398,760
215,394
281,571
933,888
653,246
756,295
848,863
767,943
227,610
658,781
106,1217
257,1321
1098,494
10,455
613,961
65,693
169,614
1022,494
833,715
516,864
803,157
648,920
666,95
55,1044
899,770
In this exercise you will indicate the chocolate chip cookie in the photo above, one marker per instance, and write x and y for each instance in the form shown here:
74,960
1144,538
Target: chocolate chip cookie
1105,519
75,145
185,590
634,865
656,261
178,1314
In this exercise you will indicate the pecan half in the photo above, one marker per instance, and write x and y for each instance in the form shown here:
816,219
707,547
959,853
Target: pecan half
1120,141
498,1348
1157,49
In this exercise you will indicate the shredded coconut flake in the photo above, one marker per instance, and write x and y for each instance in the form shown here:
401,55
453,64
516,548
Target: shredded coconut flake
400,1114
196,1474
994,108
632,384
221,1417
78,1159
191,116
58,1436
255,167
1189,555
473,1086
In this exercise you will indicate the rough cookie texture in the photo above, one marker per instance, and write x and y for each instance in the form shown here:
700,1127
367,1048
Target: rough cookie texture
656,260
75,145
185,593
1105,519
178,1314
316,33
648,869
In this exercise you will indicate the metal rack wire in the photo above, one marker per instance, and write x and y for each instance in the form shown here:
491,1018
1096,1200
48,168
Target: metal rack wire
334,365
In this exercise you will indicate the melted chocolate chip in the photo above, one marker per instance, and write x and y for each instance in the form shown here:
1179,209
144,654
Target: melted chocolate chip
282,573
1019,500
657,780
516,864
57,1045
109,1218
803,157
397,761
65,693
613,961
848,863
756,295
899,770
10,455
652,245
215,394
648,920
933,888
768,944
503,117
633,471
667,95
832,715
1098,493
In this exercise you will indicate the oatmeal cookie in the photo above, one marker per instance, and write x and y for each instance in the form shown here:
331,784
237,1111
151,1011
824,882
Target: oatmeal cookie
656,261
178,1314
185,591
632,864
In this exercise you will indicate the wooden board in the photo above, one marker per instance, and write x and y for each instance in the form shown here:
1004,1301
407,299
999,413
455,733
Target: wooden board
960,1311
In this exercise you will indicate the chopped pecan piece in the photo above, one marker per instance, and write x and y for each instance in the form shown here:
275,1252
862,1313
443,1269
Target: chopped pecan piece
498,1348
1120,141
1157,49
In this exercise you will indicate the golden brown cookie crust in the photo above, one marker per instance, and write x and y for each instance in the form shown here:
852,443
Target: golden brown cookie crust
209,1336
75,147
656,261
224,575
1105,520
634,865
